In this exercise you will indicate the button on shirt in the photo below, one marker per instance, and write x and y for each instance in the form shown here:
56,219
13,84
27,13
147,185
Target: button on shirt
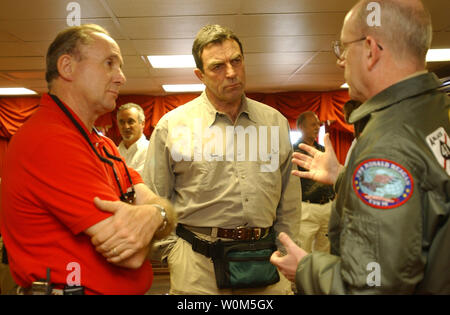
220,174
135,155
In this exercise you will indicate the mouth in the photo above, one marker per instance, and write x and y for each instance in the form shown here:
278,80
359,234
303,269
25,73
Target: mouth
126,135
115,93
234,86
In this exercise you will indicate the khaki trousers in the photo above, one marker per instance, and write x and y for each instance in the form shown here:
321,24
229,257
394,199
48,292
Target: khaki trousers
314,227
193,273
7,284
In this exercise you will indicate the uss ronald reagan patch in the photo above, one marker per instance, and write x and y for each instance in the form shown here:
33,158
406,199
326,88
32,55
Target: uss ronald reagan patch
382,184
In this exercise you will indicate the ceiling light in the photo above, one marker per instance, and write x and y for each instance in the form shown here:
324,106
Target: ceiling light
16,91
438,55
344,86
173,61
183,87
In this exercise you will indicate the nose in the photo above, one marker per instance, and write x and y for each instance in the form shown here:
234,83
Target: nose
120,78
230,71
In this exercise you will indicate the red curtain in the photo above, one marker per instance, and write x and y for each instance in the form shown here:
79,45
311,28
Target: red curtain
328,106
14,111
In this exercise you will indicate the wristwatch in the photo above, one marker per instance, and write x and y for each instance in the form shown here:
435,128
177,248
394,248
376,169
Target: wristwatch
163,213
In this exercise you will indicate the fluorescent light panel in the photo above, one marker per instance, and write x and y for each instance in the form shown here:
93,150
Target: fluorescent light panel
16,91
294,135
183,87
438,55
172,61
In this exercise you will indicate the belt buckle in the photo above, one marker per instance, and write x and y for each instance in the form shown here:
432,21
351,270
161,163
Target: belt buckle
238,233
257,234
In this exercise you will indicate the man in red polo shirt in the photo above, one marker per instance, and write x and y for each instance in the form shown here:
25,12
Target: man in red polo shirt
68,202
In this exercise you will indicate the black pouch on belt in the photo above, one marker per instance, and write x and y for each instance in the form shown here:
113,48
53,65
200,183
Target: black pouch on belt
245,264
237,264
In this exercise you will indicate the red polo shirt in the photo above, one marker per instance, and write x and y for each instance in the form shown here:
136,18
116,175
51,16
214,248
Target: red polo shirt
50,179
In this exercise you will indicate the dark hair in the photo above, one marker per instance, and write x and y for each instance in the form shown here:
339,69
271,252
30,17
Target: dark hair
301,118
67,42
211,34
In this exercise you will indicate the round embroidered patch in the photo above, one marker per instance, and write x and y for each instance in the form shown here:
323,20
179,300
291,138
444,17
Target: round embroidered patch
382,184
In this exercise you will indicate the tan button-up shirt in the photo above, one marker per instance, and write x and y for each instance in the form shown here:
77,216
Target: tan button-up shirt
220,174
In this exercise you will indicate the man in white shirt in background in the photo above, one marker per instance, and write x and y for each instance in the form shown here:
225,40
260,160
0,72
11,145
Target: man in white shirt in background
134,144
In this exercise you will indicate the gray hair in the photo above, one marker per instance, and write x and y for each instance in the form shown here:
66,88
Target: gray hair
405,27
141,114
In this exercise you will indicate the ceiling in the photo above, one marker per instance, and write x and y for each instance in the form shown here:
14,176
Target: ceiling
287,43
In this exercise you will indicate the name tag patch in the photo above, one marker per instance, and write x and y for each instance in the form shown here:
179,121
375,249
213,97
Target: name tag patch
382,184
439,144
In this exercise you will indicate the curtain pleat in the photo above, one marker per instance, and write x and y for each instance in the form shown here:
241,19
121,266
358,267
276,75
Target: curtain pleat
328,106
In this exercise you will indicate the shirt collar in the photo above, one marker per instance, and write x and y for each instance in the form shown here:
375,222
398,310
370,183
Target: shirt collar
212,112
47,101
416,84
142,138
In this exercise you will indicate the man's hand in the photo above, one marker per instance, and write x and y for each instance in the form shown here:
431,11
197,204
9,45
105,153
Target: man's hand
288,264
323,166
130,231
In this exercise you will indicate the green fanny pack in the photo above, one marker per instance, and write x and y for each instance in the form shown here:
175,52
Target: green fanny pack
237,264
245,264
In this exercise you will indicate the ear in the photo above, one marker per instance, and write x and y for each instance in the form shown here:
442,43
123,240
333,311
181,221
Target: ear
66,65
199,74
373,52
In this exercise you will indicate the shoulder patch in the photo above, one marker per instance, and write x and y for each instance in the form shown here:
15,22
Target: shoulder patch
382,184
439,144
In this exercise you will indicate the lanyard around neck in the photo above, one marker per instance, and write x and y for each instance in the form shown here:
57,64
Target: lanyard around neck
79,127
86,137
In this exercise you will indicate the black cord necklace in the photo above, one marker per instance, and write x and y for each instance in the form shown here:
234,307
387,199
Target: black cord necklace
128,197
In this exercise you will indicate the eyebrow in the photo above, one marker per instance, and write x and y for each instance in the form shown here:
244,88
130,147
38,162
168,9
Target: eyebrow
118,58
218,62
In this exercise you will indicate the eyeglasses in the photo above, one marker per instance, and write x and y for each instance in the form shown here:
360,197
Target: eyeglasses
339,47
129,196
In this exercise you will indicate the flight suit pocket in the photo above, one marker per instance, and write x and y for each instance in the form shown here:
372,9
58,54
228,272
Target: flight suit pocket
359,247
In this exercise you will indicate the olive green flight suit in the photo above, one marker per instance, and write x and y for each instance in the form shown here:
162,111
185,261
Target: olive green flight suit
389,228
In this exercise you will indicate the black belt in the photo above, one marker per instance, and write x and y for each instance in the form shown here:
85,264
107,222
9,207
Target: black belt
321,202
206,248
200,246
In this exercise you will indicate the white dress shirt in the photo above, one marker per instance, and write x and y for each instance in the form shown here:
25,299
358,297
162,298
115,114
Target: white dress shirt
135,154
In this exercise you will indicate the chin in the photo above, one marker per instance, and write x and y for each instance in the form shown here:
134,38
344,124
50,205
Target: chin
354,95
110,106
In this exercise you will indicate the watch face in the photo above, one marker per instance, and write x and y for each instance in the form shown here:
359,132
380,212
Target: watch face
163,213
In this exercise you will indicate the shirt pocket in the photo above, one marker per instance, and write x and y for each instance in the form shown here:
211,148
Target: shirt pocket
359,247
209,175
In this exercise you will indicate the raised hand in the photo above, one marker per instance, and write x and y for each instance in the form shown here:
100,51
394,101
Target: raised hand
322,167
